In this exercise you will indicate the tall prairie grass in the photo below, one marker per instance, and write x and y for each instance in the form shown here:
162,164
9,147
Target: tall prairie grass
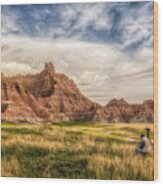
82,151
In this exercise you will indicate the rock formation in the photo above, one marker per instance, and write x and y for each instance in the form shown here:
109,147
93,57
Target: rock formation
122,111
52,97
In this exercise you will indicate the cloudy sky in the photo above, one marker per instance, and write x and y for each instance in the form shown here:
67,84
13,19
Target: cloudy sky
106,48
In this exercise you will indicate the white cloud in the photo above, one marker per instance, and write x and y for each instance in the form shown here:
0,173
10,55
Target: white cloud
87,15
101,71
13,68
137,26
8,22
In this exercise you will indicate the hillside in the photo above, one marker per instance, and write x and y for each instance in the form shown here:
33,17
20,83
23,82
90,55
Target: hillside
52,97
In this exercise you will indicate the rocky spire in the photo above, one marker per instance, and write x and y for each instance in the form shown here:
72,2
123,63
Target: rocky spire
49,68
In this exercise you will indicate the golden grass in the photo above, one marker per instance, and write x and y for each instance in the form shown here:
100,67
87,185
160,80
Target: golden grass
10,167
78,151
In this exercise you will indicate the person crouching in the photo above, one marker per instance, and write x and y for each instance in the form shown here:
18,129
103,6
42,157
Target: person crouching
145,145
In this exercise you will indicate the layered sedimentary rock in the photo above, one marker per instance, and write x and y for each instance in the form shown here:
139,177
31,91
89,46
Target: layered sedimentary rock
52,97
122,111
47,96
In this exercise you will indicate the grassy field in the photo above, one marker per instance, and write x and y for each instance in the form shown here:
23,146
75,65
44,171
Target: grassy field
81,151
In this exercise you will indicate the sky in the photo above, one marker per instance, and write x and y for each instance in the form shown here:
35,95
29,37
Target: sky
106,48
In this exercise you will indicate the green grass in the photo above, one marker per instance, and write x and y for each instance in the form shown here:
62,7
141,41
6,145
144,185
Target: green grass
75,150
23,131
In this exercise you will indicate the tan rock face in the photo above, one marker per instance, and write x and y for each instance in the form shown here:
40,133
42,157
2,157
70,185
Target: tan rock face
52,97
126,112
47,96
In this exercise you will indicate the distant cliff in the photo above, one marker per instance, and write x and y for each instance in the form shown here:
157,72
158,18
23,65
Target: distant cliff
52,97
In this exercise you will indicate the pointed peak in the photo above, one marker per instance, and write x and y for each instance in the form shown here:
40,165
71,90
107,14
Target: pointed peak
49,68
49,65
